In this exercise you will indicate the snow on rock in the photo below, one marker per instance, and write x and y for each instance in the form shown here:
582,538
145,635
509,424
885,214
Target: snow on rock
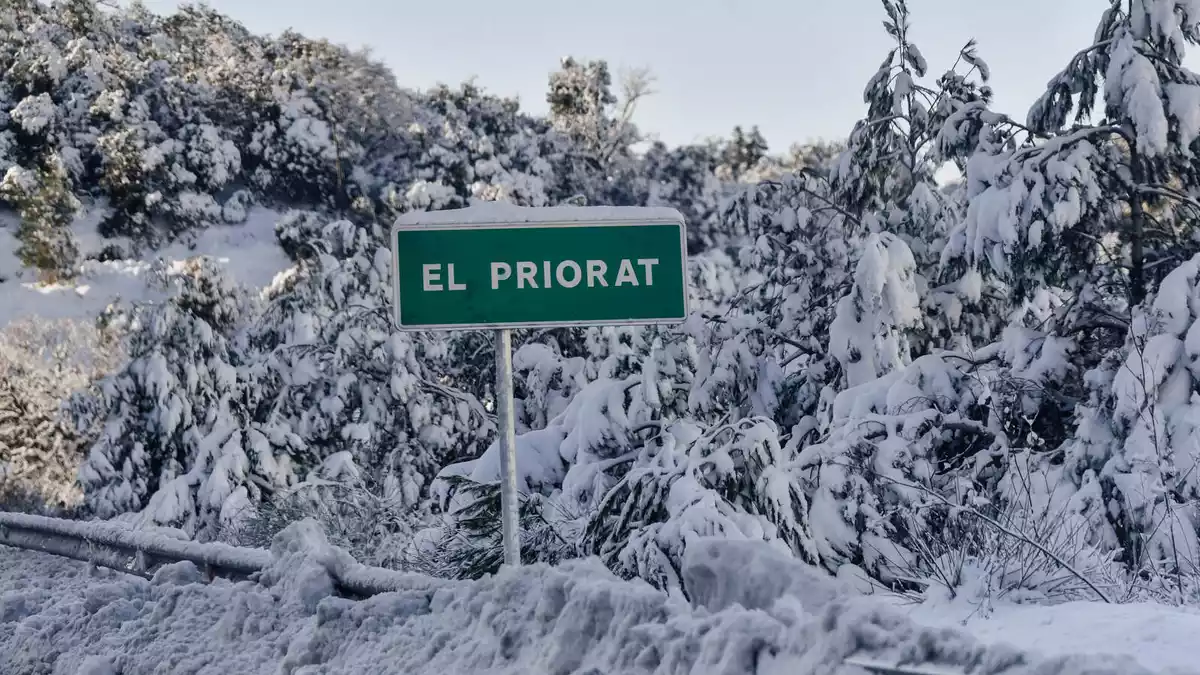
58,616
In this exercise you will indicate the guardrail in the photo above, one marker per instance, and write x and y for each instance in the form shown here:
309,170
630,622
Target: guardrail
124,549
140,553
881,668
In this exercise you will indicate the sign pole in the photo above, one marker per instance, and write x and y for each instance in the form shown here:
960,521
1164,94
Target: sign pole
507,442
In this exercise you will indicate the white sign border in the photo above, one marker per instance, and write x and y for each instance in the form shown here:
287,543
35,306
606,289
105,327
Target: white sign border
591,222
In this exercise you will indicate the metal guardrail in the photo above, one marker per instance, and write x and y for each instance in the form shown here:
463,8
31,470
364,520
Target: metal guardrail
881,668
125,549
141,553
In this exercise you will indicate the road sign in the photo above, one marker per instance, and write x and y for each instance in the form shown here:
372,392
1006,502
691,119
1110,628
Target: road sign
503,267
509,267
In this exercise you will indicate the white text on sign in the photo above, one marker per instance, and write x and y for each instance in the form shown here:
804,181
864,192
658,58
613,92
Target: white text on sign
565,274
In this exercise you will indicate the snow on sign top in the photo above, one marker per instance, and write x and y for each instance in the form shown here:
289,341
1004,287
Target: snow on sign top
504,266
497,213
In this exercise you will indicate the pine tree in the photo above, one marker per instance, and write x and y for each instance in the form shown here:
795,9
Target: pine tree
598,125
47,205
1085,198
172,443
743,152
1129,464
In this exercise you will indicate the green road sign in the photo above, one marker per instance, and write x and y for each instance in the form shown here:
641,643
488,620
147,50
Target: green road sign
539,267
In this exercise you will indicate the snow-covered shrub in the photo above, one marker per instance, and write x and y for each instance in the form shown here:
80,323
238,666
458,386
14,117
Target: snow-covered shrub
621,471
297,230
1029,545
469,545
731,481
372,520
345,380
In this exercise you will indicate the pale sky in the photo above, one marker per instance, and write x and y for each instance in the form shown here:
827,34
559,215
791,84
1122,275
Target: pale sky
796,68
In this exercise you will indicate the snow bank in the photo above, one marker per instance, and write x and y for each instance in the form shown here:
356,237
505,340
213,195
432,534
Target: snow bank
57,617
1156,637
720,573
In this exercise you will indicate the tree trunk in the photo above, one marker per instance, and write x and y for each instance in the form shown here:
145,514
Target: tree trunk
1137,216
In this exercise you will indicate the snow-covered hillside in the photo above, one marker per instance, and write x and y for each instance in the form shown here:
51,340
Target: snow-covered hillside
248,251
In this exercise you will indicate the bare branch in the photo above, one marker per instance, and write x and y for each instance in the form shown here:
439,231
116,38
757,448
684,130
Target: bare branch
1007,531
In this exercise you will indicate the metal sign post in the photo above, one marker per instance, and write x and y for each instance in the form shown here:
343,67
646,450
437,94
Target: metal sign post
501,267
507,440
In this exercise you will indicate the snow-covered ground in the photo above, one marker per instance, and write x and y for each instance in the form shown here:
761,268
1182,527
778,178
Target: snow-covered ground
1156,636
249,251
754,612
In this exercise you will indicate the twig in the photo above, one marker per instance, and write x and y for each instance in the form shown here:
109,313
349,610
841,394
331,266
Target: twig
1007,531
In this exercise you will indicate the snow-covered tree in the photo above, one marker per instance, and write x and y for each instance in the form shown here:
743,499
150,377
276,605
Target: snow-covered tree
597,125
465,144
1134,456
172,440
886,180
686,178
743,152
1106,198
341,381
47,206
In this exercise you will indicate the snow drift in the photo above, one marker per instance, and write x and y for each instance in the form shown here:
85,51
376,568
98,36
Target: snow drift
756,612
